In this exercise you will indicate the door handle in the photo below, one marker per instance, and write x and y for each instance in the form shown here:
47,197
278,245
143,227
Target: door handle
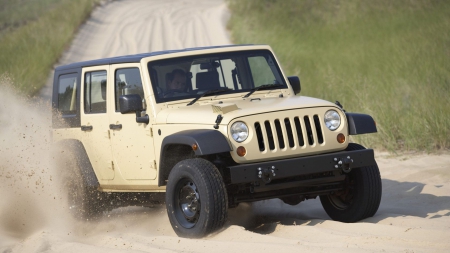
115,127
86,128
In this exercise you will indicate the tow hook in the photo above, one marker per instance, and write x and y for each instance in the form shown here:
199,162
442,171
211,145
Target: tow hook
266,174
344,164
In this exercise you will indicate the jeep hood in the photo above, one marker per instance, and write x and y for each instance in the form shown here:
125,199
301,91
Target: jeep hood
204,114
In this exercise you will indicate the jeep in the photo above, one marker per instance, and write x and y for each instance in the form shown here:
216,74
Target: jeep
204,129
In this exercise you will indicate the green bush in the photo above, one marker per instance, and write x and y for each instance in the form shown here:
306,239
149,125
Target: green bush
33,36
390,59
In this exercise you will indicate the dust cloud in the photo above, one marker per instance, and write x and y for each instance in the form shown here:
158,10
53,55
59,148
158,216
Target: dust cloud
28,183
33,203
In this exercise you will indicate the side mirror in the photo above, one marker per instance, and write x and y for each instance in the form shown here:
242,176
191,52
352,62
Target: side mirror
295,83
130,103
133,103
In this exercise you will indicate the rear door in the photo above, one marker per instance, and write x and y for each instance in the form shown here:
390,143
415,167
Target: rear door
94,120
132,142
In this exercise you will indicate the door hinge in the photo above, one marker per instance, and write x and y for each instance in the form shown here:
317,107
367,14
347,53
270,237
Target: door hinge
112,165
109,134
151,132
154,164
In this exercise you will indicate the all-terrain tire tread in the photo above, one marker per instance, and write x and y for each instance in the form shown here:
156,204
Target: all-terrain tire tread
214,193
373,181
214,178
369,187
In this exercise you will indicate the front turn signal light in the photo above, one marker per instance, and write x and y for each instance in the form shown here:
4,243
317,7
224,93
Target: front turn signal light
341,138
241,151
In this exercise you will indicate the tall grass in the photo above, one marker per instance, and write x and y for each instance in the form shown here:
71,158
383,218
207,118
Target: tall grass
33,36
390,59
16,13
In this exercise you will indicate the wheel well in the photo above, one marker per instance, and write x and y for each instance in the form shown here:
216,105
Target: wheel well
172,154
80,154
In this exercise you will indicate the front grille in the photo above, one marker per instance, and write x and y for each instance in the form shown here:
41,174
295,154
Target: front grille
289,132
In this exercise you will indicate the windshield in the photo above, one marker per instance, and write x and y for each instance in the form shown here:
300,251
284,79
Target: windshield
190,77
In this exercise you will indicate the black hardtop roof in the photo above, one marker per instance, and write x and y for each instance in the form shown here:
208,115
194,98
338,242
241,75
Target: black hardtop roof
133,58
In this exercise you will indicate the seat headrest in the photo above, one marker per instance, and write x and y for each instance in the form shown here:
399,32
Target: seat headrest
207,80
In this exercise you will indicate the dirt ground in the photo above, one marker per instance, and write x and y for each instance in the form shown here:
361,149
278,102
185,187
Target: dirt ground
414,215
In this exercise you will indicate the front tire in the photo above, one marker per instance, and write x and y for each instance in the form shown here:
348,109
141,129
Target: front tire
196,198
360,197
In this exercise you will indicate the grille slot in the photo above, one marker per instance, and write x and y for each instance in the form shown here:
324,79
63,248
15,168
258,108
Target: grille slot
290,135
279,134
318,129
300,130
269,135
309,133
298,127
260,137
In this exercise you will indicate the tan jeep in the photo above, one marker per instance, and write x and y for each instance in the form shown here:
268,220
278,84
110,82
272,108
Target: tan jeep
211,127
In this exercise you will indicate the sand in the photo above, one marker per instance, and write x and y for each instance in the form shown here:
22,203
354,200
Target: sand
414,215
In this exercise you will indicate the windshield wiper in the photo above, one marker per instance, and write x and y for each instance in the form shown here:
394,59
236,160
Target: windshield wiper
262,87
209,92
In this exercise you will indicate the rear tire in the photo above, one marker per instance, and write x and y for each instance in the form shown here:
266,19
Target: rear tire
361,196
84,202
196,198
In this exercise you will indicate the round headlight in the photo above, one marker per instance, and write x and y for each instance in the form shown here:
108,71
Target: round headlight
239,131
332,119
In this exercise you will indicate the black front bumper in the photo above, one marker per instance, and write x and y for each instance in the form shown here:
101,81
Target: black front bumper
264,172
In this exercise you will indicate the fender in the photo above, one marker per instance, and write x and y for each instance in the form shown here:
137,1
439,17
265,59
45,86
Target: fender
85,166
360,123
208,142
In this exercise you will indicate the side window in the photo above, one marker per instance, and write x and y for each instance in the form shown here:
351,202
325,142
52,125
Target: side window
261,71
67,94
127,81
95,92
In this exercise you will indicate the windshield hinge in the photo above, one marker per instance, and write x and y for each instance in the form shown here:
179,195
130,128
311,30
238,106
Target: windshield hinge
218,120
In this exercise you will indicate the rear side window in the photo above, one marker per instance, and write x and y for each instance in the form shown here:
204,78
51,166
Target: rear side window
67,94
95,92
127,81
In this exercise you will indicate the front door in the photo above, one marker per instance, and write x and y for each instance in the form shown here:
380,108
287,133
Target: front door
94,121
132,142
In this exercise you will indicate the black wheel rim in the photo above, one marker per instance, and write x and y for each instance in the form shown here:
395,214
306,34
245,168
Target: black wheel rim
341,200
187,203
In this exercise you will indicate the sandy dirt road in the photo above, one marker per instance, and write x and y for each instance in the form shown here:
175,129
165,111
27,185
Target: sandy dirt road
414,215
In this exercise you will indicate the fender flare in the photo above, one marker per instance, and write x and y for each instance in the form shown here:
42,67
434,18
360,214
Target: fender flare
87,171
208,142
360,123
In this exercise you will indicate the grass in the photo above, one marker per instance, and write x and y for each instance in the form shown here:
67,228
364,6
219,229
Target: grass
390,59
33,35
16,13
